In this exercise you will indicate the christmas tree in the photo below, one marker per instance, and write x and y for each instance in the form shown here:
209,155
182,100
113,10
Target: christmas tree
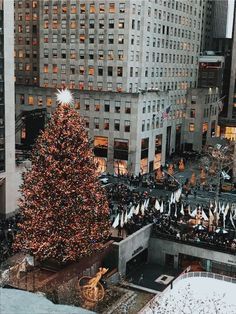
65,213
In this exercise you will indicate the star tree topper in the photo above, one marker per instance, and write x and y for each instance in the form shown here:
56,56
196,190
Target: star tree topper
64,96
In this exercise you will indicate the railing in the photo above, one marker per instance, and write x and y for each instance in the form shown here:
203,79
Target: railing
201,244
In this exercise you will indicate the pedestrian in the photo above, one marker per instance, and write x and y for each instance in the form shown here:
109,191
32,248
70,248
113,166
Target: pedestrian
140,279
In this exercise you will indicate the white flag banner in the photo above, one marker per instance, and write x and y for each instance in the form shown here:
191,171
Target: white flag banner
177,195
211,217
142,209
204,216
162,207
116,221
182,209
126,217
131,212
226,210
137,209
216,208
169,210
122,220
147,203
175,210
157,205
231,219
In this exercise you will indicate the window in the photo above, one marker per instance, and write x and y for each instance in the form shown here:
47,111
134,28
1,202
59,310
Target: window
111,7
48,101
100,71
31,100
117,125
91,70
111,23
97,107
127,107
72,69
110,39
120,39
91,39
21,54
92,8
107,106
63,68
106,124
101,8
119,71
100,55
192,113
96,123
109,71
110,55
117,107
127,126
121,23
81,70
82,38
121,55
100,39
82,8
122,8
101,24
40,100
45,68
191,127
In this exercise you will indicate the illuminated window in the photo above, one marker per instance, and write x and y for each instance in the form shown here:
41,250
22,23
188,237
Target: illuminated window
48,101
110,55
101,8
120,39
35,16
45,68
21,54
121,23
27,67
106,124
191,127
82,8
20,28
92,8
73,24
81,70
64,8
73,8
82,38
54,68
111,7
31,100
97,107
54,24
34,4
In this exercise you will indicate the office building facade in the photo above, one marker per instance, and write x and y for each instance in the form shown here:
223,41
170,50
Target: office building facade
7,108
137,58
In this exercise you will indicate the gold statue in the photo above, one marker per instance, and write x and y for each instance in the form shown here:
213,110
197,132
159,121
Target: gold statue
181,165
91,289
170,169
193,179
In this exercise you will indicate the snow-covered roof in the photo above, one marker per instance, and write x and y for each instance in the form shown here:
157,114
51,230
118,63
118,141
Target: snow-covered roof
14,301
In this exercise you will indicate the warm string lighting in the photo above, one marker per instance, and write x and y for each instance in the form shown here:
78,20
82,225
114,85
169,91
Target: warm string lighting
64,208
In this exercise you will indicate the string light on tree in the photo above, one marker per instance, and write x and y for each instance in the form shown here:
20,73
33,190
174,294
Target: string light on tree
65,213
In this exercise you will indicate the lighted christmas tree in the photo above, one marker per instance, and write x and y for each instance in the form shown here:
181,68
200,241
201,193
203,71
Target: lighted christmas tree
65,213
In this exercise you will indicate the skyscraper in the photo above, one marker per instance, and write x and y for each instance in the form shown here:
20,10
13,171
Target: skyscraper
127,63
7,108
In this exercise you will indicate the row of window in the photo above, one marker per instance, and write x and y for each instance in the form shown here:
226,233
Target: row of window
54,68
107,125
111,39
90,8
92,24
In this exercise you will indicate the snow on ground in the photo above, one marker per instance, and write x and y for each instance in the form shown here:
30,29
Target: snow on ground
14,301
196,295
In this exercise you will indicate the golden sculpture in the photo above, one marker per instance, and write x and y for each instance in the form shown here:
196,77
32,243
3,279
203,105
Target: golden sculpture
193,179
181,165
91,289
170,169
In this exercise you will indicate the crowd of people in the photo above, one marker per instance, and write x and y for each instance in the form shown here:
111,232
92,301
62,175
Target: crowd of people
8,230
175,220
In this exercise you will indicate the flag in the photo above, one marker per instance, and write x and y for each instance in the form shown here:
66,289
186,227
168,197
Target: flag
137,210
131,212
122,220
216,208
147,203
157,205
175,211
126,217
165,114
116,221
225,212
142,209
169,210
162,207
177,195
211,217
182,209
231,219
